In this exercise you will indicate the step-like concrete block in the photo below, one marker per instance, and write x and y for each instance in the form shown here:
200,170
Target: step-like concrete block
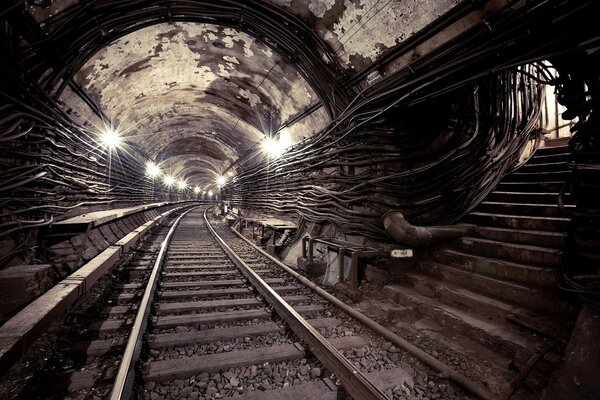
554,224
484,305
520,253
545,167
496,334
549,158
529,296
501,269
529,209
550,149
538,176
532,187
554,240
528,197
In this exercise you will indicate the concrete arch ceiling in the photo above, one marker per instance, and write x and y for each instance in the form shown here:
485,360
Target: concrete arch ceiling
180,86
195,96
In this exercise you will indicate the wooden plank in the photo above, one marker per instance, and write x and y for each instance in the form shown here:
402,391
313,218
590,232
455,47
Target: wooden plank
204,293
388,379
126,286
110,325
204,256
188,366
170,321
324,322
230,282
207,305
286,289
348,342
170,267
310,308
99,348
211,335
115,310
203,273
296,299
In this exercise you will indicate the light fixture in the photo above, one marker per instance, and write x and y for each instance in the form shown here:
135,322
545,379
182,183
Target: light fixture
196,190
272,147
110,138
182,184
152,170
210,193
221,180
203,193
169,180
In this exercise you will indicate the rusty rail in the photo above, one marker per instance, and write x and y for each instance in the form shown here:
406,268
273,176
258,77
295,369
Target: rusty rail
123,384
353,381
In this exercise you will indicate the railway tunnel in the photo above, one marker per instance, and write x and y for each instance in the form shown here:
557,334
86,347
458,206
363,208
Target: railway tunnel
300,199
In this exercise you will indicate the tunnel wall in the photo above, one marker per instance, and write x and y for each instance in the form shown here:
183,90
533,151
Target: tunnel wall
434,170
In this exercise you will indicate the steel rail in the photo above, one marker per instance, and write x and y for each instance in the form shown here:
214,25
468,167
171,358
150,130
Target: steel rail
458,378
353,381
123,384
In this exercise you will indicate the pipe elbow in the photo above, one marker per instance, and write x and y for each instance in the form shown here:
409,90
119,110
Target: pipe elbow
405,233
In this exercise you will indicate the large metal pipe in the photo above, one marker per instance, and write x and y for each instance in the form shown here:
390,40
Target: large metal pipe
421,236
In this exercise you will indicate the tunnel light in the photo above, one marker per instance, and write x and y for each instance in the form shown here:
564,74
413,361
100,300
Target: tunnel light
182,184
210,193
152,170
169,180
110,138
221,180
196,190
272,147
203,193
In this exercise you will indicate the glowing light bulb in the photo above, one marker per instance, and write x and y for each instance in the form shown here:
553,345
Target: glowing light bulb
110,139
221,180
210,193
181,184
272,147
196,190
152,170
169,180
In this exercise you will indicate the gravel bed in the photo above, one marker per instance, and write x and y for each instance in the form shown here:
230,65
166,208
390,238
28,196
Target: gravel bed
225,346
206,278
217,309
202,327
236,380
204,298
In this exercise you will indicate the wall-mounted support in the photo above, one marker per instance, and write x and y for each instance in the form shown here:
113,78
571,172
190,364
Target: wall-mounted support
344,249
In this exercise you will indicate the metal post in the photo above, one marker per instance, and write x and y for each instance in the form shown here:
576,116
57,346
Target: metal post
341,255
354,271
304,239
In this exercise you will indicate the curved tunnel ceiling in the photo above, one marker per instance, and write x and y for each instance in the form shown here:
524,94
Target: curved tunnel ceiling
194,97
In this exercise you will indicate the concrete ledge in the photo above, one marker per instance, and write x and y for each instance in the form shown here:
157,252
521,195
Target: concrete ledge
18,333
129,240
25,327
89,274
101,217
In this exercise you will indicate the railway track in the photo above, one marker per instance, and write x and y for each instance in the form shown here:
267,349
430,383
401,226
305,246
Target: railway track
201,314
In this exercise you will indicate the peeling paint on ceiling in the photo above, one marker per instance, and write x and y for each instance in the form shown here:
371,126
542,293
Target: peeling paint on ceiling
195,91
368,27
168,83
